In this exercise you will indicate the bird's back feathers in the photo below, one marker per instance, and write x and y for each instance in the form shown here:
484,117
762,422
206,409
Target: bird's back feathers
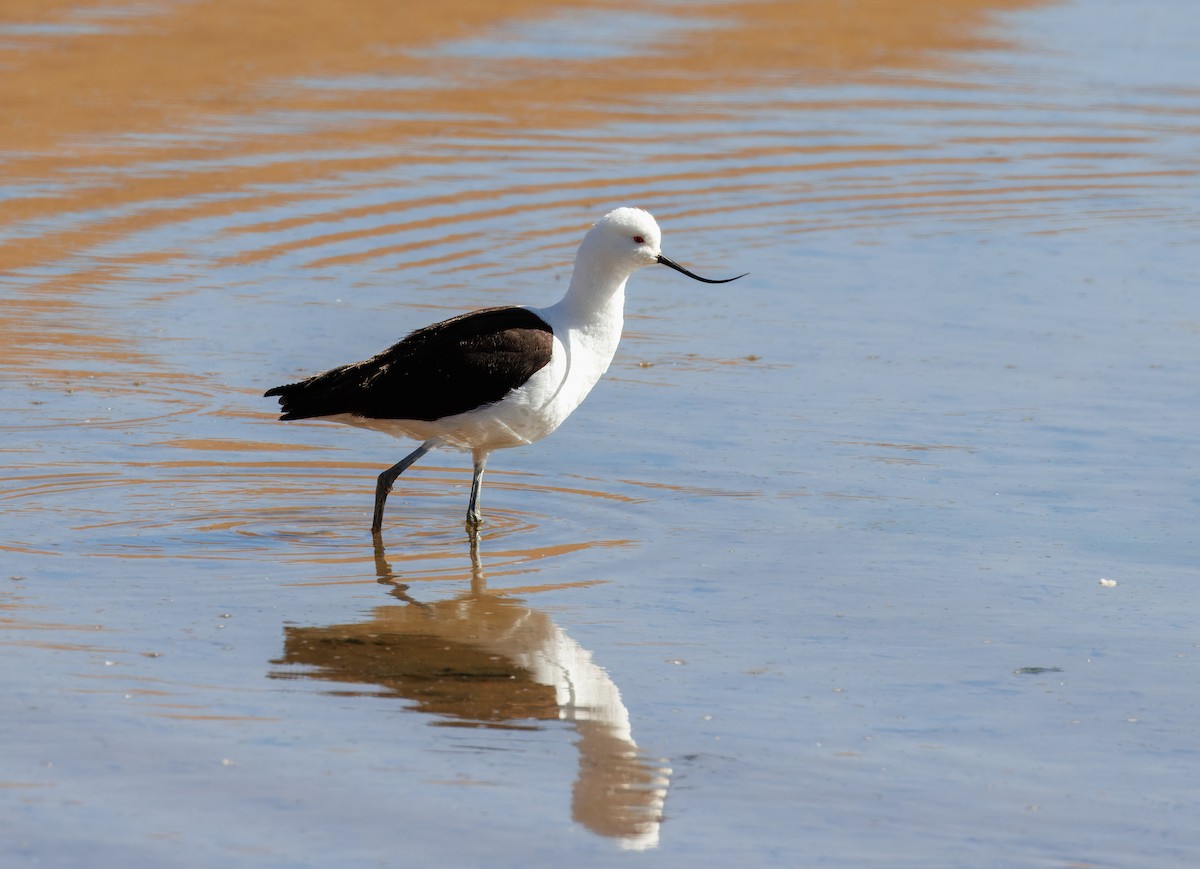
457,365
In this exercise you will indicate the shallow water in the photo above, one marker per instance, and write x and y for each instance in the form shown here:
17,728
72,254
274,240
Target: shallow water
812,578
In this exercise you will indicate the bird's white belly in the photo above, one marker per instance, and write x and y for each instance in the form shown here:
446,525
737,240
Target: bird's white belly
526,414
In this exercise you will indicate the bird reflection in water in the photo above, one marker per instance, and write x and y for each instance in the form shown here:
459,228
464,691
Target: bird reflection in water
484,659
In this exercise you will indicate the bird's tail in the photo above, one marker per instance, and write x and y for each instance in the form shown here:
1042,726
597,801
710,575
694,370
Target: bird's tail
317,396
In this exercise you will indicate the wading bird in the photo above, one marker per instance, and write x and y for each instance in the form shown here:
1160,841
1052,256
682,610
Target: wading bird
497,377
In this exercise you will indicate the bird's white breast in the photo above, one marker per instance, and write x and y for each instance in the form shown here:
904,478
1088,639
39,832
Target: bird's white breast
581,355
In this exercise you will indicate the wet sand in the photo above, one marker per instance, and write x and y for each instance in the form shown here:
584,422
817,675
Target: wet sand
814,577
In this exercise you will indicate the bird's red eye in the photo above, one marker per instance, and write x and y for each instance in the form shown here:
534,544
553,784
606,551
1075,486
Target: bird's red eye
639,239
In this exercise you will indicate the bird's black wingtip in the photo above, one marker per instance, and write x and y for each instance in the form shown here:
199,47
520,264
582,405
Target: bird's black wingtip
286,412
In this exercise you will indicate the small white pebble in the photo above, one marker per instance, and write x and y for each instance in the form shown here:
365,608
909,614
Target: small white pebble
1108,583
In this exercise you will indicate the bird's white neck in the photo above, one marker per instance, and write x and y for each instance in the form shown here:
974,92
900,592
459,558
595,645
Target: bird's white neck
597,290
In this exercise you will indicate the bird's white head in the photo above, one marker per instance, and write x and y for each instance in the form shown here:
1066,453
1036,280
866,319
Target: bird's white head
627,238
621,242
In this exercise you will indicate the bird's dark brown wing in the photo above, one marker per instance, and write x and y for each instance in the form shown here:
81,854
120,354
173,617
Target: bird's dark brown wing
450,367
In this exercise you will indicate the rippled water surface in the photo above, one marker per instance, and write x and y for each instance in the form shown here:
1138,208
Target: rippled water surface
884,556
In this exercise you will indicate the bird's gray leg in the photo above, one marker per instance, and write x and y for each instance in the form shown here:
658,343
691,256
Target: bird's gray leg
474,520
388,477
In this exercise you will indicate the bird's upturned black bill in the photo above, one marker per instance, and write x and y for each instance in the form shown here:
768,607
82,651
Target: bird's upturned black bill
670,263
